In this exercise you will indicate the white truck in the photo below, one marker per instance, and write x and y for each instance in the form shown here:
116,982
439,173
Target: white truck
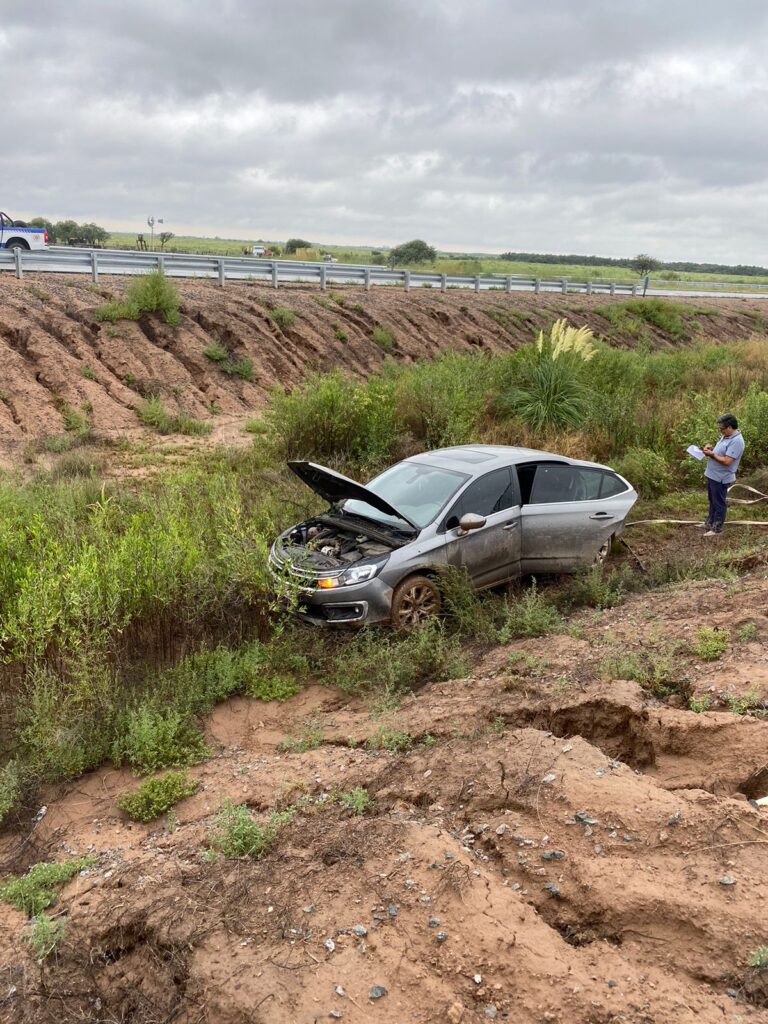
15,234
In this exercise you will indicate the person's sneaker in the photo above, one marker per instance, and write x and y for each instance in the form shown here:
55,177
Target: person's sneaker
712,533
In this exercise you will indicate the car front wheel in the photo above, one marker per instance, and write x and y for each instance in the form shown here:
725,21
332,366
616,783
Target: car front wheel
414,602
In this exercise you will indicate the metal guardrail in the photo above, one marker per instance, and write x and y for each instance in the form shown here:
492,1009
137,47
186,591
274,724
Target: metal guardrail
65,260
95,262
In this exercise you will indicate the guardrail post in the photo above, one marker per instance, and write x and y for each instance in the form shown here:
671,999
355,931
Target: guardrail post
94,267
274,274
477,283
443,282
613,288
537,285
508,285
17,261
222,272
634,290
589,287
407,280
322,278
367,276
160,263
564,286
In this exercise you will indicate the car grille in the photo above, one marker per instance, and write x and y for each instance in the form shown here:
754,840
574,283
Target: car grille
280,566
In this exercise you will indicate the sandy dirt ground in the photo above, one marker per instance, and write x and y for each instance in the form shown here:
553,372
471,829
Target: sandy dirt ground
553,846
56,356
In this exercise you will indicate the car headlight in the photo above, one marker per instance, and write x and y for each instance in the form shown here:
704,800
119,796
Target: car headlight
359,574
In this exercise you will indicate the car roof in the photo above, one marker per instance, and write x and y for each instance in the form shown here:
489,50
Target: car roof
477,459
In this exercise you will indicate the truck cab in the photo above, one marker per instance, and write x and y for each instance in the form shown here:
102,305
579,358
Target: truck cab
15,234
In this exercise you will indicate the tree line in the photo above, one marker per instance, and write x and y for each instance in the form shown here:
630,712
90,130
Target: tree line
69,232
631,263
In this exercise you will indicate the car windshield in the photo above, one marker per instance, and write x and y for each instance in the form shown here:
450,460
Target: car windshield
413,488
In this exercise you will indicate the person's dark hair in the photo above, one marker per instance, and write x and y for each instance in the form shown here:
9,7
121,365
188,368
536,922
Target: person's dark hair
728,420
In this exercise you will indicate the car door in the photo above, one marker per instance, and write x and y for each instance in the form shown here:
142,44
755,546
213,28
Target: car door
490,554
570,513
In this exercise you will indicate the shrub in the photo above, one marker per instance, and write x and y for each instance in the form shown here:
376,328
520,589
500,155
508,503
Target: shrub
149,739
384,338
156,796
393,740
441,402
152,413
238,368
758,959
88,373
531,615
216,352
76,422
550,388
10,787
358,800
655,670
149,293
599,588
37,889
45,935
237,834
646,470
711,643
332,417
283,317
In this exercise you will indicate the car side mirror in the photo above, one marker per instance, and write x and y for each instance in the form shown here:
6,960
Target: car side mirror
470,521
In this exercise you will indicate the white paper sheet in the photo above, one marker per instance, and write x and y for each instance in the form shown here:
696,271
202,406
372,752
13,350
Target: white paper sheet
695,451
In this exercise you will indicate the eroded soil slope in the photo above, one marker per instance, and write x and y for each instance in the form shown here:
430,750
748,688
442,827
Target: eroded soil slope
547,845
55,355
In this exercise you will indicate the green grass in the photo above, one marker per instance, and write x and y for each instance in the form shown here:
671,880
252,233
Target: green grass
45,936
36,890
149,293
384,338
149,738
157,796
283,317
153,413
357,800
711,643
236,833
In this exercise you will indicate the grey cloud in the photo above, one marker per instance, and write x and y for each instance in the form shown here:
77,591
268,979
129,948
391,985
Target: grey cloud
573,127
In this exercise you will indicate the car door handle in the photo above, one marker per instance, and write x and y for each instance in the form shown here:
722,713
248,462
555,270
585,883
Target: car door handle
601,515
511,526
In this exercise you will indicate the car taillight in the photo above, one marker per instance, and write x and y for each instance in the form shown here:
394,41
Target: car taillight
45,237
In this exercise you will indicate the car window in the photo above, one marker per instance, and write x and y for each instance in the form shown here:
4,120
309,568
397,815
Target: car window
553,482
611,485
492,493
418,490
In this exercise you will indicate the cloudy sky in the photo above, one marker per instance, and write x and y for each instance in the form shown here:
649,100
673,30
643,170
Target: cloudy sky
594,126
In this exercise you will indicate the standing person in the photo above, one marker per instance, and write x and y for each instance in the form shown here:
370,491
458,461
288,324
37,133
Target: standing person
722,463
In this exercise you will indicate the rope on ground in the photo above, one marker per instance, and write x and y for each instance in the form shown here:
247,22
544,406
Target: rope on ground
729,522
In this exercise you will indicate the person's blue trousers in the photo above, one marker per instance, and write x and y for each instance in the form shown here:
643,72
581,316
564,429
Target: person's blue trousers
716,493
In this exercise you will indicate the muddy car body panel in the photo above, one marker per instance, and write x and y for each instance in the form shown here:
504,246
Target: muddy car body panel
531,511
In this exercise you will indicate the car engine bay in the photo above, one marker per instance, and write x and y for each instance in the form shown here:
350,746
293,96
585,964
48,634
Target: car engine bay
318,545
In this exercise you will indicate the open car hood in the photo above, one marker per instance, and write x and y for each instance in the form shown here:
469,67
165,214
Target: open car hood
334,488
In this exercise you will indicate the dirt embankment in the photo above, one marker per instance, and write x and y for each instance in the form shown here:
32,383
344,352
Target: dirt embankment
56,356
553,847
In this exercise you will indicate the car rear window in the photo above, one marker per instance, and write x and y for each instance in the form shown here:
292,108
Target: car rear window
555,483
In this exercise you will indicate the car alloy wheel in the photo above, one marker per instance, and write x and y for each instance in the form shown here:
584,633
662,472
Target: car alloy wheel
414,601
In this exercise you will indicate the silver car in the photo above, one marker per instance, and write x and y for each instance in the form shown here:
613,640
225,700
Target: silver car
498,512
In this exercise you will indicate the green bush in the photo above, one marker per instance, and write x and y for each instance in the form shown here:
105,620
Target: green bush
283,317
242,368
152,413
10,787
531,615
157,796
646,470
45,936
216,352
394,740
237,834
384,338
331,417
711,643
37,889
441,402
149,738
149,293
358,800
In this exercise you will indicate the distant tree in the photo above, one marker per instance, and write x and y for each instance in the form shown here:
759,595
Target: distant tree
415,251
93,235
296,243
645,264
66,230
166,236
